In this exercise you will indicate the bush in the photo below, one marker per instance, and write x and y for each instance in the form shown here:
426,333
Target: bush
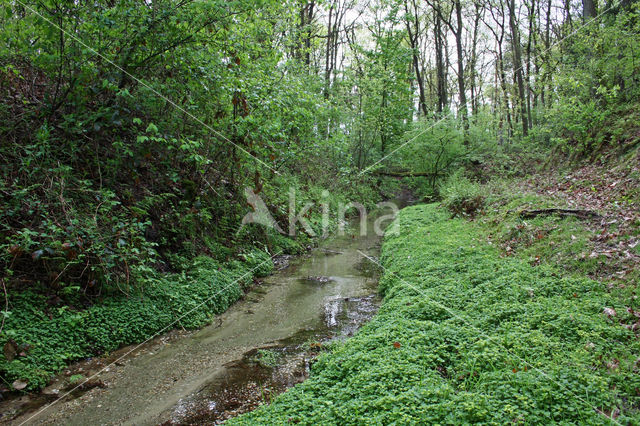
597,90
462,197
437,148
258,261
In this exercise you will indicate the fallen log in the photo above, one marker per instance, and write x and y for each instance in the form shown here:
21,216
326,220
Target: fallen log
580,214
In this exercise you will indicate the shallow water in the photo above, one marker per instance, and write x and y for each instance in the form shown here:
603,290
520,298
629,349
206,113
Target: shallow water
261,346
265,372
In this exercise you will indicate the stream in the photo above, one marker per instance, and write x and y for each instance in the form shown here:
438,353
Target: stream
258,348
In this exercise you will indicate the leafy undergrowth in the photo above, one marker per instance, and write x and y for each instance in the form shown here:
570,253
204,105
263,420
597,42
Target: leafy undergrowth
40,339
467,335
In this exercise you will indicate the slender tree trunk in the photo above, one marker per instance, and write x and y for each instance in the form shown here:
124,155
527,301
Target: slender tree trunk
505,90
413,40
457,31
589,9
567,12
517,63
461,86
307,21
441,72
547,56
499,31
474,57
531,15
536,61
328,54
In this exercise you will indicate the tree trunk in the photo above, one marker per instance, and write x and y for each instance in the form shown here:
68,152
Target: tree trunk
307,20
328,55
547,56
505,91
462,96
474,58
517,63
441,72
589,9
413,40
457,31
530,38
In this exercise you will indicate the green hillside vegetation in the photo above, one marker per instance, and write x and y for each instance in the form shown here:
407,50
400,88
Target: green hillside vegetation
466,335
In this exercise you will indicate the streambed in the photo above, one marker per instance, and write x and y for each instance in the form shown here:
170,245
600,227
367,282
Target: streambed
261,346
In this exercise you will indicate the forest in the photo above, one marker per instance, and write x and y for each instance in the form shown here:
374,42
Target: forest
137,137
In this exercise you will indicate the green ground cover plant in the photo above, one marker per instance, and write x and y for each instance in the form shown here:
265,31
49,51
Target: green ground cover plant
41,338
466,335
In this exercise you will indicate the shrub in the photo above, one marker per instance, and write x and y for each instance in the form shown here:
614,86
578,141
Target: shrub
462,197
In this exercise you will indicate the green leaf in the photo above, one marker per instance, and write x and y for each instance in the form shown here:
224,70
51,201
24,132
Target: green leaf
152,128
